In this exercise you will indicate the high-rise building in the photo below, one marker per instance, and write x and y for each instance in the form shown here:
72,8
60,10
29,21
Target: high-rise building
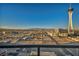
70,25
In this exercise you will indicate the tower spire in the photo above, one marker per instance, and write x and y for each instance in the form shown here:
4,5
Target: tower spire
70,6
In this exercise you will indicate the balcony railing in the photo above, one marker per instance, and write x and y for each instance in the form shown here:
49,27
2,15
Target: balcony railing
39,46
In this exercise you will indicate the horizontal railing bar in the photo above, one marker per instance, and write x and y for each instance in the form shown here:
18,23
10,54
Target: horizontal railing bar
39,46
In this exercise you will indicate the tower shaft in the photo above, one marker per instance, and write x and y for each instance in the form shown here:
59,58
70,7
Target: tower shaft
70,26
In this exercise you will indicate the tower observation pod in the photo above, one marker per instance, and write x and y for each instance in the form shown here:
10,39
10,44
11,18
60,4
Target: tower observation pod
70,25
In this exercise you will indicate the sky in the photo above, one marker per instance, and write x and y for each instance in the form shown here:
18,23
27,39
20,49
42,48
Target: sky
38,15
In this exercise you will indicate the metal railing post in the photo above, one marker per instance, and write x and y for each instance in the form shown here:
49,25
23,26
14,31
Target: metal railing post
38,51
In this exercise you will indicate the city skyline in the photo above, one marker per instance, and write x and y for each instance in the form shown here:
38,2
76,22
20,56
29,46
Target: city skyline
25,15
